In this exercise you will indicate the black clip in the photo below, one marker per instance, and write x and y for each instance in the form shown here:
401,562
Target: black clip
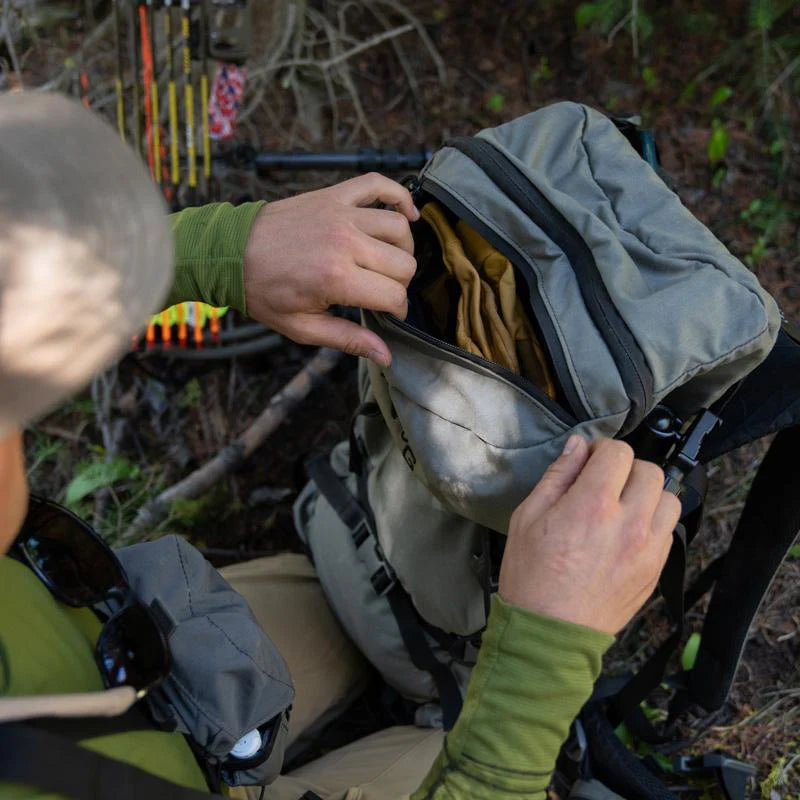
684,456
732,775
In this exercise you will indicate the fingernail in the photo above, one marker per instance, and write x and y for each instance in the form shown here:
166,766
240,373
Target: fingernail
571,444
378,357
416,211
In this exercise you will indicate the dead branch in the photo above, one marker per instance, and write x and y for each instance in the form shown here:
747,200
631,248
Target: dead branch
238,451
71,64
12,53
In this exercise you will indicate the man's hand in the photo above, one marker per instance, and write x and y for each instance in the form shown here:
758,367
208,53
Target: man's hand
324,248
588,544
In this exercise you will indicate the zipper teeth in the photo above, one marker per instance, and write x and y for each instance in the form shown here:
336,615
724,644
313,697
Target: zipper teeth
517,380
576,409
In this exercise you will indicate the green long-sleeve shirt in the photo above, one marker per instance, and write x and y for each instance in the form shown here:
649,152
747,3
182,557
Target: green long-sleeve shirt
533,674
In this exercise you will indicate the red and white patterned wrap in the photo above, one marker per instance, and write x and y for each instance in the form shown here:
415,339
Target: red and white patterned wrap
225,100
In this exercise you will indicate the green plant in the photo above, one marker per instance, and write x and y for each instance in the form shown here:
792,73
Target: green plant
767,215
610,16
495,102
97,474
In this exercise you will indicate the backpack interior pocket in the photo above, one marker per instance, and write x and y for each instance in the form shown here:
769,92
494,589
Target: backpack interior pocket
465,293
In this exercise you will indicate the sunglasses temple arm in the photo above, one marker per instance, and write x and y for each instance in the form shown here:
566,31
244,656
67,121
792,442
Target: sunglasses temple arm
109,703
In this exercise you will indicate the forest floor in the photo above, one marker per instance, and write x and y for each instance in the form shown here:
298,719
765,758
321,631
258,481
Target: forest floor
716,83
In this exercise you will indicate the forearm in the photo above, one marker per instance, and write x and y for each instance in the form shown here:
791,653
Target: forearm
533,675
210,243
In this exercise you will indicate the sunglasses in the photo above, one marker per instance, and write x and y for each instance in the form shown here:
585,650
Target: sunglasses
80,569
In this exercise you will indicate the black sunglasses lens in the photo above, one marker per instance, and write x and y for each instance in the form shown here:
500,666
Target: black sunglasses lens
67,553
132,650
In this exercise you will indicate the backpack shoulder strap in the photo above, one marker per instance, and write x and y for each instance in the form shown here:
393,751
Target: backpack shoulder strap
767,528
33,757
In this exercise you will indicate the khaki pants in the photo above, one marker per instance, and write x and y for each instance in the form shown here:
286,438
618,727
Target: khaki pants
328,673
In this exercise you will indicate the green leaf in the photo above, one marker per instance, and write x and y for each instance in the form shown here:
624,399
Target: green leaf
720,96
689,654
645,26
98,475
718,143
794,551
762,14
649,77
776,148
585,15
496,102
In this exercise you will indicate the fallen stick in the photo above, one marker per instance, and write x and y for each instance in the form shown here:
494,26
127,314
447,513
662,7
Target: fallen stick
234,454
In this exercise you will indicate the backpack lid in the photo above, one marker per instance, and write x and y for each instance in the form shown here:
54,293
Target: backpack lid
634,299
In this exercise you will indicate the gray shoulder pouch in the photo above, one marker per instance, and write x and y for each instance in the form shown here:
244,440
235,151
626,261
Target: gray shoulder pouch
228,679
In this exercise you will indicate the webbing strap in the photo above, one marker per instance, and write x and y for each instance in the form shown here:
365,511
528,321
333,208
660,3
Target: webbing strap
612,763
767,528
625,705
33,757
384,581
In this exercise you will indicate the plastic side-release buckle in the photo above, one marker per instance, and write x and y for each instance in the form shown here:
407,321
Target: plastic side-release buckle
381,575
731,774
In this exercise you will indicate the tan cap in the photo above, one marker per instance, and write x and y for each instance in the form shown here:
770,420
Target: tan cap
85,251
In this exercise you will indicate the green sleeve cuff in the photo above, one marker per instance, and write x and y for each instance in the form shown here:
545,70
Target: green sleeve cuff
533,675
210,243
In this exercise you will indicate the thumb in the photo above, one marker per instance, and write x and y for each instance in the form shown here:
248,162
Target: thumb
326,330
558,478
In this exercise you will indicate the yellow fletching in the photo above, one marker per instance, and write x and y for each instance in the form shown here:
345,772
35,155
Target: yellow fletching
120,108
173,129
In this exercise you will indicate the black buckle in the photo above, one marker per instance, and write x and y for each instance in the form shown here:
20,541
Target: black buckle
731,774
381,575
383,580
360,533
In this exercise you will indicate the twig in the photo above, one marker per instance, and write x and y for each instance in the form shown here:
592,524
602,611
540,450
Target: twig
790,68
235,453
70,64
12,53
111,430
345,55
437,59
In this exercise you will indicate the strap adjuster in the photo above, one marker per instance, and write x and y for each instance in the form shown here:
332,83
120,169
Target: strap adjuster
383,580
381,575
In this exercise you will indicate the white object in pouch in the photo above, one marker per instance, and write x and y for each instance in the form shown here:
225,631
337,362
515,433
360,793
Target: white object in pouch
248,745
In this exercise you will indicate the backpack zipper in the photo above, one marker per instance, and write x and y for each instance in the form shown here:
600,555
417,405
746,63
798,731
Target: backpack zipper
575,411
458,353
636,375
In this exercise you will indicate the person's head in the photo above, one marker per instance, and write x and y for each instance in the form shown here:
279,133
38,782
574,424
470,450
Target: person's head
85,256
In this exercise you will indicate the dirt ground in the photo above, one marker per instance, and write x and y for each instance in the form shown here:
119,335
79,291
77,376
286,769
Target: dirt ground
691,69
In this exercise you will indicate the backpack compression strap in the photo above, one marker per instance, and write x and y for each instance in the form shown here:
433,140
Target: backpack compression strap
385,583
30,756
767,528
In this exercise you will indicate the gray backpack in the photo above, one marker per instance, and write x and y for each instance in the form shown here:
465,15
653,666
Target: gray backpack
651,331
636,304
646,322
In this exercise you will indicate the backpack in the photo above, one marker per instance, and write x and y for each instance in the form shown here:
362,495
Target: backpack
639,324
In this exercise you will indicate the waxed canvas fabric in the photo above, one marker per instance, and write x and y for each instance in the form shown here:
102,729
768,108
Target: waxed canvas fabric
699,316
228,678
